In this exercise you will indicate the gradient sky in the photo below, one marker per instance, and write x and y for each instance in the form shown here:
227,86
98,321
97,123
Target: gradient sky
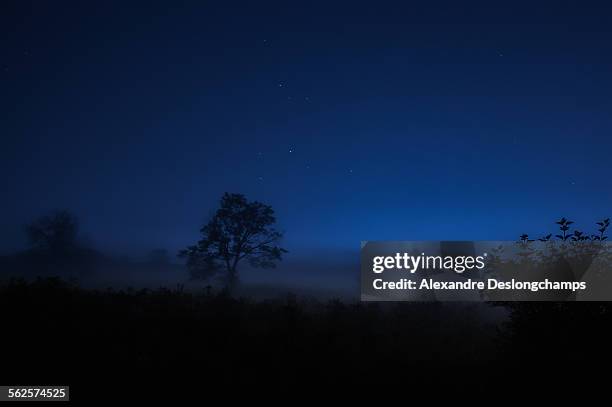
409,121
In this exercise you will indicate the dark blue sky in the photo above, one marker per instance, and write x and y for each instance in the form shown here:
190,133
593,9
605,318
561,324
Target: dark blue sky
408,121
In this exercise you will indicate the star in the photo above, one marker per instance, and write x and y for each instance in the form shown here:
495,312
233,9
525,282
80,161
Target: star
291,150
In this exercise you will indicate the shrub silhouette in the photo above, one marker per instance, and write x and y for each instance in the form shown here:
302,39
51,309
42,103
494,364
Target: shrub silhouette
570,255
576,236
562,335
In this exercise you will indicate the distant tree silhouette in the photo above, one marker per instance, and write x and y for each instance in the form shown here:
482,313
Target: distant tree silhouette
55,233
239,230
54,247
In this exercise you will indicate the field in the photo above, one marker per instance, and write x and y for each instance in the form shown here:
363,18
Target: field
59,333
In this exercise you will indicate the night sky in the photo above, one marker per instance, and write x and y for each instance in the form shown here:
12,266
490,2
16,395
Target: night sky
408,121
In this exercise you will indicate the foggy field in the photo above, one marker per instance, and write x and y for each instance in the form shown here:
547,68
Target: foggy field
284,339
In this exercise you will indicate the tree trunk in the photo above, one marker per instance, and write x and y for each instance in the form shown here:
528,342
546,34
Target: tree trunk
232,280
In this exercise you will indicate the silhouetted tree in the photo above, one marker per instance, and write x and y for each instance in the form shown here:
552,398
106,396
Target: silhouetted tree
55,233
54,247
239,230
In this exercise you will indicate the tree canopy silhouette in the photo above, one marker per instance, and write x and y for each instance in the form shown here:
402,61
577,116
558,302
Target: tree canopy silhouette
54,248
56,232
239,230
